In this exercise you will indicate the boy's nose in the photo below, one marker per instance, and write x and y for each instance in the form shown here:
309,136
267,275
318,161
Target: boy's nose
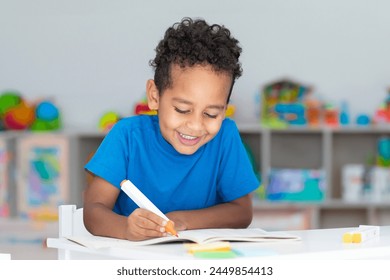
195,122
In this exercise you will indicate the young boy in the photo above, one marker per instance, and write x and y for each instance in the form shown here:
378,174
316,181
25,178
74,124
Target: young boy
188,160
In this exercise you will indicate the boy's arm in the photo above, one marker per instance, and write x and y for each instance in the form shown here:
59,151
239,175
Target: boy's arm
234,214
99,219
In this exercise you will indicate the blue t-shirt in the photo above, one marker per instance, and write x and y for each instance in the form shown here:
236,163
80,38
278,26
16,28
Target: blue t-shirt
134,149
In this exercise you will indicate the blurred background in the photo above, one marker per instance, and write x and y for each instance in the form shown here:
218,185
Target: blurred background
312,106
95,54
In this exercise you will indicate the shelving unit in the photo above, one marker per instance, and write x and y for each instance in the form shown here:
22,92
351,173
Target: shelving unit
320,148
328,149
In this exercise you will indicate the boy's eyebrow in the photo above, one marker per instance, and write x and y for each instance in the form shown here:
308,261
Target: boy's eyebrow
180,100
219,107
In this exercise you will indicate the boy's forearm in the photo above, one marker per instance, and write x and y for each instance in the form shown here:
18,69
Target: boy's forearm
236,214
99,220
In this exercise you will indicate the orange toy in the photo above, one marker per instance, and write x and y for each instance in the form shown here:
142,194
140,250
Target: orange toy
19,117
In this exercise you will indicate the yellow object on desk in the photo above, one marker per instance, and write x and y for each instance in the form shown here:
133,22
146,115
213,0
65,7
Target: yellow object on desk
361,234
215,250
215,246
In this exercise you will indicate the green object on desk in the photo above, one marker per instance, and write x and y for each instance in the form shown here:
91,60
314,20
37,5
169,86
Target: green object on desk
215,255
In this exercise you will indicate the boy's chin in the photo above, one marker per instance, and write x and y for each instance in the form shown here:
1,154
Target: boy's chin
186,150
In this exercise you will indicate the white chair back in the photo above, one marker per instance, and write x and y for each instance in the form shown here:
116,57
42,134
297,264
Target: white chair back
71,221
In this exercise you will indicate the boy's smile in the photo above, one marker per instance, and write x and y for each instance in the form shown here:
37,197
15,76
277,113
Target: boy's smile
188,140
192,109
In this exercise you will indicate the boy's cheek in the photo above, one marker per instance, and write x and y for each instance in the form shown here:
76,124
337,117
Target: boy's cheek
214,127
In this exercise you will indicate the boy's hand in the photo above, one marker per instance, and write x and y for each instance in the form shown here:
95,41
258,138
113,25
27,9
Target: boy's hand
143,224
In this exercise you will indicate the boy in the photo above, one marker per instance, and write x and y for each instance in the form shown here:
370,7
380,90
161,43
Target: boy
188,160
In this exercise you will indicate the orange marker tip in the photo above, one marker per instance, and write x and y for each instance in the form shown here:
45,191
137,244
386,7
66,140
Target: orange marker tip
170,228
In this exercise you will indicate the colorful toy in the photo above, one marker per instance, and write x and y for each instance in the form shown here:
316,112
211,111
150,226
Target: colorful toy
108,120
18,114
19,117
231,109
8,100
344,114
292,114
283,104
314,111
383,152
382,114
142,108
331,116
47,117
47,111
363,120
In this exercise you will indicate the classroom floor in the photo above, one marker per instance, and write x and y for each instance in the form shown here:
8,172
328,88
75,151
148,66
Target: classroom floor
26,240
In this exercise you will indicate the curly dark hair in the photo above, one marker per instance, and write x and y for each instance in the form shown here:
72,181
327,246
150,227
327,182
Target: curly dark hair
195,42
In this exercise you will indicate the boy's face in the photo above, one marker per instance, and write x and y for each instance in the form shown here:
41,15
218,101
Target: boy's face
191,111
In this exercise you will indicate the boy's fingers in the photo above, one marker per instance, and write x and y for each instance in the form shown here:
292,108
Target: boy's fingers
143,225
151,216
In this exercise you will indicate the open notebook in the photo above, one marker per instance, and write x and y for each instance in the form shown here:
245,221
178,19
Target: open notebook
201,236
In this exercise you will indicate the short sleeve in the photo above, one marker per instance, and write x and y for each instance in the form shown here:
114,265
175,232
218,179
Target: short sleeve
236,177
111,158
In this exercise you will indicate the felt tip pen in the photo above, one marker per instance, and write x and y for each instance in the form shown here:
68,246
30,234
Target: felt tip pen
143,202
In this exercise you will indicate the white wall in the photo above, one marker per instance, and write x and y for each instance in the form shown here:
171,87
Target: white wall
92,56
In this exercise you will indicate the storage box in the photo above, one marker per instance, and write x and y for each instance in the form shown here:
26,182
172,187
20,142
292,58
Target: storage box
365,183
43,179
296,185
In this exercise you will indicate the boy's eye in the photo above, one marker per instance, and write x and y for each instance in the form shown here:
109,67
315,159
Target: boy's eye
181,111
211,116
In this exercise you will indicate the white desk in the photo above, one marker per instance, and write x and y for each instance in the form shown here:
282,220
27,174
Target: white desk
315,244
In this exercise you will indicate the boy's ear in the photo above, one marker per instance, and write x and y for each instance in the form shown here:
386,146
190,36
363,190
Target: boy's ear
152,95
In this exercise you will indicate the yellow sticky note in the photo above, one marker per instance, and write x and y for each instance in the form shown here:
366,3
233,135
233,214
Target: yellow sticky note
210,247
